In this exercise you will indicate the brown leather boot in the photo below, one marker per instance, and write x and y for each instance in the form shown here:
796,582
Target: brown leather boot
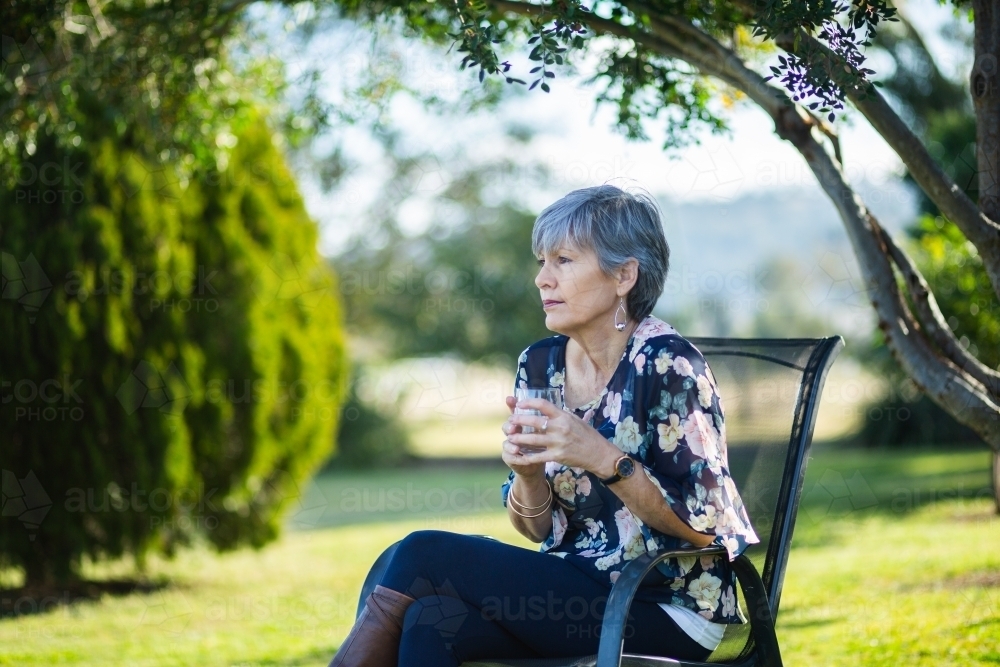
374,639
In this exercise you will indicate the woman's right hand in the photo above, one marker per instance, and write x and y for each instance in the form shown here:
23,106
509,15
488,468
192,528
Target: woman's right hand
512,453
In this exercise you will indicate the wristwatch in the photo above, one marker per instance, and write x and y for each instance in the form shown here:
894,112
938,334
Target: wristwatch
624,467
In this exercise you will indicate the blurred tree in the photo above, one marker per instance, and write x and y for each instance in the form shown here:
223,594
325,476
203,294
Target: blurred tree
156,65
463,287
173,362
781,314
369,436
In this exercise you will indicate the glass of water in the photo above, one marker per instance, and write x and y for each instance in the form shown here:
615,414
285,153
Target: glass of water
551,394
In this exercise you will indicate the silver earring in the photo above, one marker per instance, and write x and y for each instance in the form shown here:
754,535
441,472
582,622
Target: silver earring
621,325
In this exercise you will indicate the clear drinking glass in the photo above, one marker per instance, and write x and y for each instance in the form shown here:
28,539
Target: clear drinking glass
551,394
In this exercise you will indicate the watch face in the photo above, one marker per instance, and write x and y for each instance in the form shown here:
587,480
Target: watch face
625,467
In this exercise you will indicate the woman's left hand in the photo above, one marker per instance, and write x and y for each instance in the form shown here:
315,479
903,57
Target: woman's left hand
567,439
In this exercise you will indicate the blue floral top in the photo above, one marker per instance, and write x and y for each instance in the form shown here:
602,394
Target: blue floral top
663,408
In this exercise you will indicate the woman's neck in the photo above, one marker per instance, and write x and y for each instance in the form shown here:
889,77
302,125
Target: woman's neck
601,350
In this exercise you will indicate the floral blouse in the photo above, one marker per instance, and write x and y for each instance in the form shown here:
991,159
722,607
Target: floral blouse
663,408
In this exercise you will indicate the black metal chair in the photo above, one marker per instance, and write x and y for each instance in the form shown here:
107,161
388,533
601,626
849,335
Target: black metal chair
771,391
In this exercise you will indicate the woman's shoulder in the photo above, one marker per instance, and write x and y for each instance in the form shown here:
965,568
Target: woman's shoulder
654,335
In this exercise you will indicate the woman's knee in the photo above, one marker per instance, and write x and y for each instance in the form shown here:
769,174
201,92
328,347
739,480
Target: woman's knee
427,546
425,540
419,561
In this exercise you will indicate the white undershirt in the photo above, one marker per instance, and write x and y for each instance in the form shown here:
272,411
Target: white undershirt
699,628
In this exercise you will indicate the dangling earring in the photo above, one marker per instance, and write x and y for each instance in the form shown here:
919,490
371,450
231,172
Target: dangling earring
621,325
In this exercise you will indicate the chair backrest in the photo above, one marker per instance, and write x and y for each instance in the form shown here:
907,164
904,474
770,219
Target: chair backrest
770,391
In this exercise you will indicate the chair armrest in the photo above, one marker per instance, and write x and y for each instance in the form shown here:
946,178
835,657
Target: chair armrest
609,652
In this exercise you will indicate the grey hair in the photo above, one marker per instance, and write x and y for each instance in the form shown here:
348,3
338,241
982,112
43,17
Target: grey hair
617,225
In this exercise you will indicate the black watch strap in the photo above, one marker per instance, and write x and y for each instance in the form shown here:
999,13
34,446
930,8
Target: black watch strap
617,476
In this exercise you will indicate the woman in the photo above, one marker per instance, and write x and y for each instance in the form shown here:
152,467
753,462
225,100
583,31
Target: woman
635,462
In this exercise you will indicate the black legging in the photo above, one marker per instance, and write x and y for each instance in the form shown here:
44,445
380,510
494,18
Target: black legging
478,598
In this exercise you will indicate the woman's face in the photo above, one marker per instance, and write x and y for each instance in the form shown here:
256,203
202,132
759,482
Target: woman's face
574,290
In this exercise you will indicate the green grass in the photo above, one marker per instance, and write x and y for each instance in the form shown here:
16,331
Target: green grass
427,493
896,560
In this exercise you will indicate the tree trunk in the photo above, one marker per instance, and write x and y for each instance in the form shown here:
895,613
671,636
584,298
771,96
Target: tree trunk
984,83
996,480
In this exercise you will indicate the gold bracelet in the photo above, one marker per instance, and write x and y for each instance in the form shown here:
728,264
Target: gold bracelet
527,516
544,505
525,507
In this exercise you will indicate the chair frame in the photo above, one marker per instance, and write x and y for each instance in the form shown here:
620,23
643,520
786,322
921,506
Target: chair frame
761,600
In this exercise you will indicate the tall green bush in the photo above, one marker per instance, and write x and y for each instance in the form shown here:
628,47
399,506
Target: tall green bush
173,363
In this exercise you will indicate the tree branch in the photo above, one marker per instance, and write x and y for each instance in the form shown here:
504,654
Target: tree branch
944,381
979,228
932,320
604,26
673,29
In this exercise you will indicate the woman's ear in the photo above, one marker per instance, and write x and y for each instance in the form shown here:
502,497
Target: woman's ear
628,273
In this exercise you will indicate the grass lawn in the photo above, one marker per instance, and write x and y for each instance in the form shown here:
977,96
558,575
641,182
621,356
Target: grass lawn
896,560
429,494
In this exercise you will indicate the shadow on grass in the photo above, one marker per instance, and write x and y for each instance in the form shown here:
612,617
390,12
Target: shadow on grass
842,482
845,484
812,623
929,469
42,599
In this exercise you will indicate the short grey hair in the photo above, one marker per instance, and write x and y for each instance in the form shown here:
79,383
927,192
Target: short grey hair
617,225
